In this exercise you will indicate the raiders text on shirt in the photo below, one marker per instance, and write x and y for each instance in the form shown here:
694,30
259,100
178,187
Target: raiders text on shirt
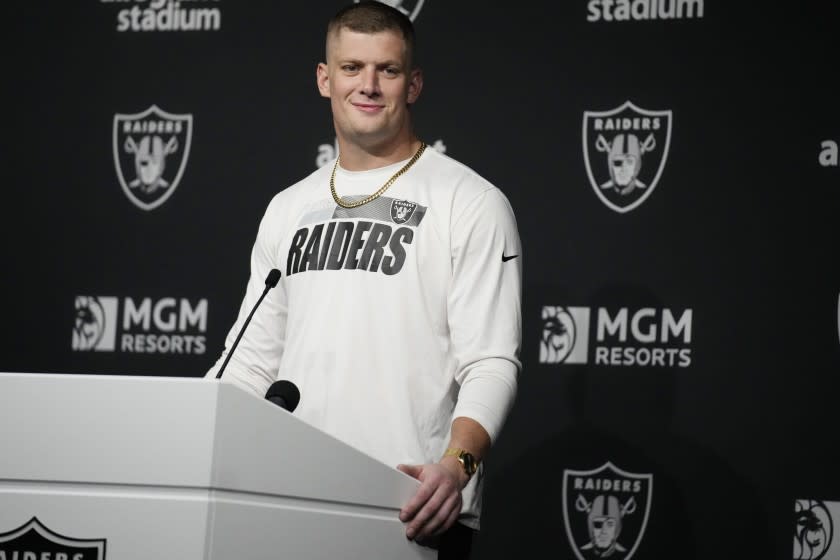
343,245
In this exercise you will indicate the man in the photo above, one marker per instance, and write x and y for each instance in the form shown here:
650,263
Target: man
398,315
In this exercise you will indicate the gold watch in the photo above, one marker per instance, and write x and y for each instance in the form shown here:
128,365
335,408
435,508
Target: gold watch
468,462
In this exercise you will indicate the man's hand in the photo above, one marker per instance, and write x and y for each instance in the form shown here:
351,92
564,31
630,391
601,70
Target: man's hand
436,504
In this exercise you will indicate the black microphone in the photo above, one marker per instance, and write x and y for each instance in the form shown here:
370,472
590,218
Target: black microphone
284,394
270,281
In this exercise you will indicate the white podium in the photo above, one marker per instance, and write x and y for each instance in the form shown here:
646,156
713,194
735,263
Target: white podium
135,468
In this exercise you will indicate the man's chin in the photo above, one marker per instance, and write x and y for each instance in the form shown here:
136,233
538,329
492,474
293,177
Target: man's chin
371,138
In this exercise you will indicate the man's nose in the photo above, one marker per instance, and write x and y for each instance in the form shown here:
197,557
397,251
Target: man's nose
370,82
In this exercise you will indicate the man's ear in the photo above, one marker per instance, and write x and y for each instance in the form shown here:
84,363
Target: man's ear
323,79
415,85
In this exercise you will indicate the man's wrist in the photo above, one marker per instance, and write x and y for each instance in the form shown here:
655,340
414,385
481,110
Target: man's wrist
454,466
462,462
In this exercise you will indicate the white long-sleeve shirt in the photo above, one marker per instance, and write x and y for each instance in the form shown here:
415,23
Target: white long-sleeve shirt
392,318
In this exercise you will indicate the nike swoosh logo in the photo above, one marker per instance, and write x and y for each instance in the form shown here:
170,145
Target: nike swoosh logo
506,258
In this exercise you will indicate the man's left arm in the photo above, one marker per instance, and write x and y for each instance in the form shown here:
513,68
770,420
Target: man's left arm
485,328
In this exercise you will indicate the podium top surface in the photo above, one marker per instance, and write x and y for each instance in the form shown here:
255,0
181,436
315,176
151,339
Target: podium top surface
179,432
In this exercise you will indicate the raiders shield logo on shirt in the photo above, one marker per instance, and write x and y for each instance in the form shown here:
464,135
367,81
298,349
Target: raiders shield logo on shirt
402,210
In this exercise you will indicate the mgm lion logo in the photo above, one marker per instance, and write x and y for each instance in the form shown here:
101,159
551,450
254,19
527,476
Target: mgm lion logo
565,335
813,530
94,323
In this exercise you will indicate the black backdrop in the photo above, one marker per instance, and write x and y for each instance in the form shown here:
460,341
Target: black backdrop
736,234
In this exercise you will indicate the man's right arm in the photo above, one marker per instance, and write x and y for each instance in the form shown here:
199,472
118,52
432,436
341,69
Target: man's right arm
256,359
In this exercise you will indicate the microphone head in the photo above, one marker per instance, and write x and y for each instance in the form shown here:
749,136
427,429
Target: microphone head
272,278
285,393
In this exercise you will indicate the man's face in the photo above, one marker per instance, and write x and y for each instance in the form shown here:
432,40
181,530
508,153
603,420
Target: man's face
369,83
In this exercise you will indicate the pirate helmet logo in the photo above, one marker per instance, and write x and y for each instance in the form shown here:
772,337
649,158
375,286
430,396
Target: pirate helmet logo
402,210
603,519
606,511
150,154
625,160
615,145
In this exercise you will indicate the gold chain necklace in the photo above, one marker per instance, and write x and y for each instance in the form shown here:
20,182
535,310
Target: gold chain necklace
344,204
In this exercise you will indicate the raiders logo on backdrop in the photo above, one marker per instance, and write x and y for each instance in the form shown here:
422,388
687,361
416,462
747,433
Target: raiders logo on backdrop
34,540
402,210
606,511
150,153
625,150
813,534
409,8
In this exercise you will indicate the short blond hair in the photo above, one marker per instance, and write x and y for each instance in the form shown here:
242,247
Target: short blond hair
370,16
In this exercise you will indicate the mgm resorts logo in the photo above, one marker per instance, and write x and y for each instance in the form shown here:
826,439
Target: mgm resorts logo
625,150
606,511
33,541
813,533
641,337
164,326
150,154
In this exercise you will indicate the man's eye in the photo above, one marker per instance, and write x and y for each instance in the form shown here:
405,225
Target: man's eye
349,67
